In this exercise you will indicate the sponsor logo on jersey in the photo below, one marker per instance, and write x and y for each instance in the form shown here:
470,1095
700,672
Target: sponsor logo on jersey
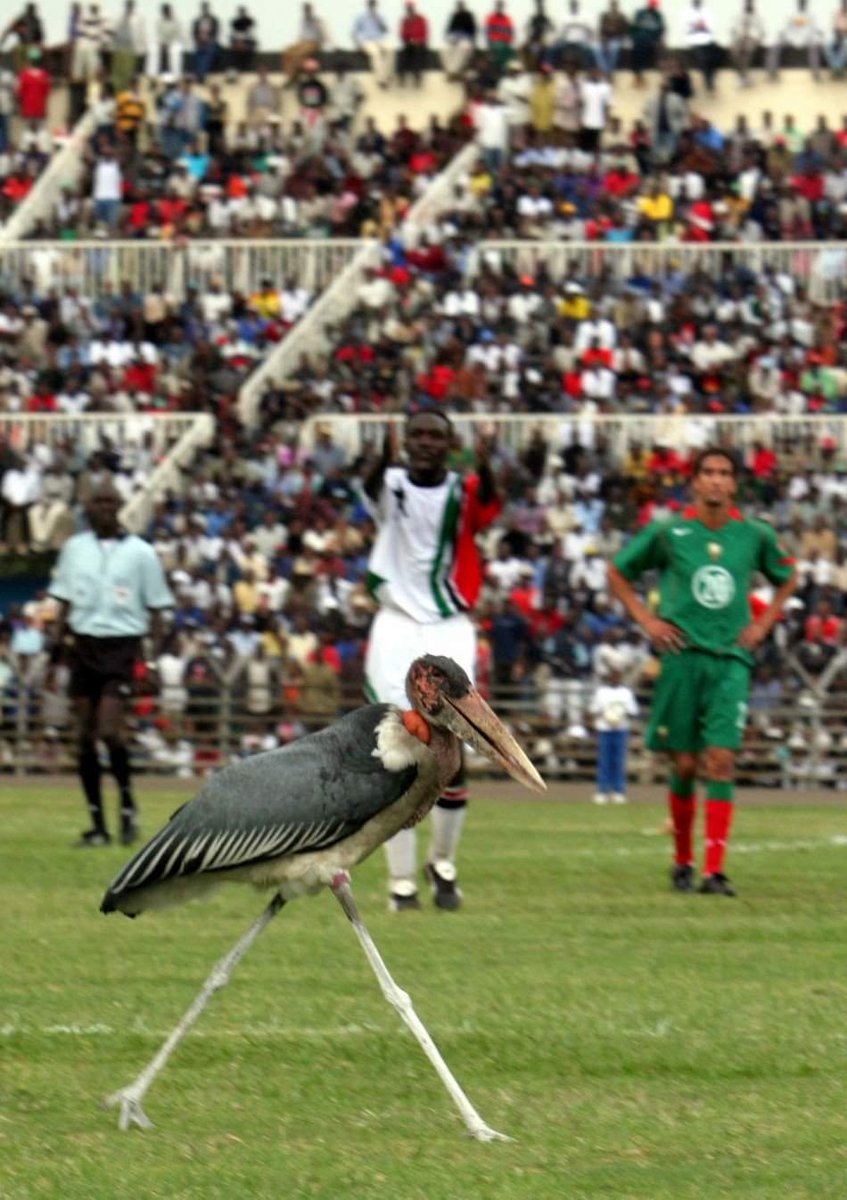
713,587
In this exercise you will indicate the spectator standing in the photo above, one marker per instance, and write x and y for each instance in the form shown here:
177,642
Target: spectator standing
492,124
539,35
836,48
8,105
33,89
748,35
460,40
111,590
164,56
242,40
345,99
612,706
801,32
370,33
29,31
264,100
311,39
699,33
612,32
666,117
647,32
500,37
130,112
88,46
426,574
575,40
595,94
129,47
313,98
107,188
206,36
414,35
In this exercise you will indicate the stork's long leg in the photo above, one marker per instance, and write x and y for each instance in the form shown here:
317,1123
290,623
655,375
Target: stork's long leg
131,1096
401,1001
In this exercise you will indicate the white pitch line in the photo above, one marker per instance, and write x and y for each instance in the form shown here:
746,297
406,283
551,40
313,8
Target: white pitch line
835,840
11,1029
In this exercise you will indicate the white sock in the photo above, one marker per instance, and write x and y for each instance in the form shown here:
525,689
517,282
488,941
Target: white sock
446,830
401,852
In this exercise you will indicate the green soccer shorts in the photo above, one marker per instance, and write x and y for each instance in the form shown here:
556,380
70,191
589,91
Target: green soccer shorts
700,700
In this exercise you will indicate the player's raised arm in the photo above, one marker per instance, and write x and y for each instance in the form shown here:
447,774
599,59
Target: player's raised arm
372,484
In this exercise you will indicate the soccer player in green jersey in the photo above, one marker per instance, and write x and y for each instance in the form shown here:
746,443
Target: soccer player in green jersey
706,559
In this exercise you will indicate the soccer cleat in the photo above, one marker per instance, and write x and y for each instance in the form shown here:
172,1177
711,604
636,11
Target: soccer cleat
445,891
92,838
404,903
682,877
129,831
618,797
716,885
601,798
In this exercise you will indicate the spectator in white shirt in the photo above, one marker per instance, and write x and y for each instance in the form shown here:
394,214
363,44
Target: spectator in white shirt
492,125
107,188
370,33
748,34
699,29
612,707
595,97
801,31
505,571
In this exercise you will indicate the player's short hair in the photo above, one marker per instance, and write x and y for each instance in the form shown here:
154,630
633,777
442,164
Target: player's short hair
715,452
429,411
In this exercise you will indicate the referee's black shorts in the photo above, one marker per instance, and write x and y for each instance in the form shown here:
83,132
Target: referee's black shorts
103,666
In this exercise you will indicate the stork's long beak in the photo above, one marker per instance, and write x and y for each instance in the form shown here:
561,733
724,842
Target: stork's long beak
473,721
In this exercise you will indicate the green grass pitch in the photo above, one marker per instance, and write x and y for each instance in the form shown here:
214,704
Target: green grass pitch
633,1042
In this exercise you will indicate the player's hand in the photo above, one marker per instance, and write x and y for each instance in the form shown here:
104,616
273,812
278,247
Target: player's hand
667,638
752,636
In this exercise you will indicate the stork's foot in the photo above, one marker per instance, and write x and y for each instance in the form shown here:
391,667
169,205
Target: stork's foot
129,1098
484,1133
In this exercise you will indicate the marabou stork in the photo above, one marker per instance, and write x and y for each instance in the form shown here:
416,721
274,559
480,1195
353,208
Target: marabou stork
297,819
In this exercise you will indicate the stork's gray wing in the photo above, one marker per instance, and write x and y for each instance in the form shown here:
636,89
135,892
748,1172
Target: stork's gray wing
304,797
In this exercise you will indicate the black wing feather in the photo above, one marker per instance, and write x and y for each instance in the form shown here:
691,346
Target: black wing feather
305,797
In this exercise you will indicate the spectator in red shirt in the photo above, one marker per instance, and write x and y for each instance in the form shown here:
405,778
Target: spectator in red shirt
823,627
33,89
500,36
414,33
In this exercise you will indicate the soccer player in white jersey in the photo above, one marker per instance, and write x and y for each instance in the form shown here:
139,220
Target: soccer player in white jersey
425,572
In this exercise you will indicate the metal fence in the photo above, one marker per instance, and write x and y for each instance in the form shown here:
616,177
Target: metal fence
801,742
96,268
809,440
174,438
820,266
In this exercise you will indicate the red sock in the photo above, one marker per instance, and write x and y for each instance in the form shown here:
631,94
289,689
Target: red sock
683,809
718,824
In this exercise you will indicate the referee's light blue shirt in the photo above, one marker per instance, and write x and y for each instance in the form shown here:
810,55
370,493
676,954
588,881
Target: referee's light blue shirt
110,584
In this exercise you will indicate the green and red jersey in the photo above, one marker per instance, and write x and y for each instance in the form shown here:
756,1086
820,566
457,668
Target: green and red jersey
706,575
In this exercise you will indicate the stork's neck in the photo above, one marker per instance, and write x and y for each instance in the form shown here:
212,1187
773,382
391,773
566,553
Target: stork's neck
438,750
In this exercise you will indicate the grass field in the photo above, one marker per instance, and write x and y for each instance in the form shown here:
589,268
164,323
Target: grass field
633,1042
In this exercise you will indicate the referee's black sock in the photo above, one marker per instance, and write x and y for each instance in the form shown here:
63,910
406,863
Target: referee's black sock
89,774
119,762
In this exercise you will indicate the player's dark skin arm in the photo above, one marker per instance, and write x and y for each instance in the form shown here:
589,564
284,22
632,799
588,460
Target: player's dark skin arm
373,480
667,638
487,490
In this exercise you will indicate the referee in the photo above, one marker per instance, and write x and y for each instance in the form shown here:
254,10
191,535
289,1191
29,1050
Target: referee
111,590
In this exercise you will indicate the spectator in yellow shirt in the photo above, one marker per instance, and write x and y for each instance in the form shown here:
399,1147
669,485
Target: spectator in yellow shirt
656,206
265,302
575,304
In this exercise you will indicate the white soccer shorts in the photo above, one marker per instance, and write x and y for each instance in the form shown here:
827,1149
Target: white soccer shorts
396,641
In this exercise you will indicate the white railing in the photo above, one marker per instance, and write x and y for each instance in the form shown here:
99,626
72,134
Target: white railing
809,437
97,268
63,168
310,334
438,197
173,437
821,266
167,476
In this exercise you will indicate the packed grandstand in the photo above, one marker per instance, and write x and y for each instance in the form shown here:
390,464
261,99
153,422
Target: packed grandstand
596,298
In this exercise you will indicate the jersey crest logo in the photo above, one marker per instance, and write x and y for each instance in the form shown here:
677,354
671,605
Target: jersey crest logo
400,496
713,587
